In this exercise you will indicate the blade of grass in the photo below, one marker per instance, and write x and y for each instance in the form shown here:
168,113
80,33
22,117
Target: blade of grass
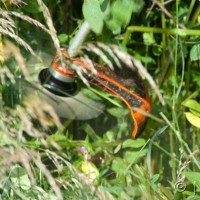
182,142
156,135
190,10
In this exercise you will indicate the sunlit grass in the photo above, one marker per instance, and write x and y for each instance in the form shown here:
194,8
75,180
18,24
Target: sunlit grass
44,157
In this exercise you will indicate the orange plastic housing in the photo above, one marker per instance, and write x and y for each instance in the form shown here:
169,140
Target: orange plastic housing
129,87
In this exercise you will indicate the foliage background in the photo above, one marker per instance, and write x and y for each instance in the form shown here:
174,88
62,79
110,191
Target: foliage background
45,158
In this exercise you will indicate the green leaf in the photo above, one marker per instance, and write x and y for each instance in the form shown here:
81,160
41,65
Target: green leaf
91,94
118,148
155,178
195,53
137,5
63,38
90,170
195,73
195,112
106,96
109,136
93,15
32,7
119,166
193,119
194,178
20,178
116,112
148,60
148,38
120,12
192,104
157,50
134,156
120,15
129,143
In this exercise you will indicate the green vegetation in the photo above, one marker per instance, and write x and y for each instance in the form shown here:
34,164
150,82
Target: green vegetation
45,157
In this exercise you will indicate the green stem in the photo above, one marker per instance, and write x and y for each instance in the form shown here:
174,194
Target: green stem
172,152
180,139
127,36
187,77
164,42
190,10
163,21
174,117
196,14
194,139
172,145
175,31
171,155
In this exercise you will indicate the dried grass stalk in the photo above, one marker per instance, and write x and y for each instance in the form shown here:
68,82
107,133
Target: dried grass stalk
121,57
17,39
41,110
50,25
5,71
109,50
101,54
102,195
16,155
30,20
49,177
9,50
7,25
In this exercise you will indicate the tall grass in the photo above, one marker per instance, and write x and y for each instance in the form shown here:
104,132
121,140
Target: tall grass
45,157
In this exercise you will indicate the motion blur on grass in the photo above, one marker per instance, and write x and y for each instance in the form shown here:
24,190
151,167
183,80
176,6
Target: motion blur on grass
43,156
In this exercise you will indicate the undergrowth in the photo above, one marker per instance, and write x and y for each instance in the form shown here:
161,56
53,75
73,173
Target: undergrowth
44,156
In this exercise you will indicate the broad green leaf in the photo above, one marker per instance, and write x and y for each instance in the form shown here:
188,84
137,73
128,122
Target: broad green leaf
114,26
148,60
118,14
195,53
192,104
195,112
137,5
148,38
129,143
134,156
63,38
119,166
194,178
193,119
20,178
109,136
5,139
93,15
